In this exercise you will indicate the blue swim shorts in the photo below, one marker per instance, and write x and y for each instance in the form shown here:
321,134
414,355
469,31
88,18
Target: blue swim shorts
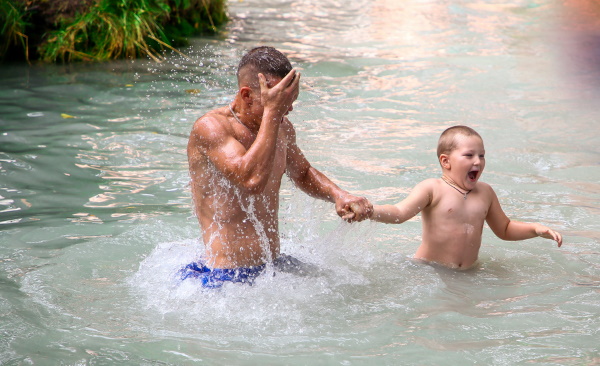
215,277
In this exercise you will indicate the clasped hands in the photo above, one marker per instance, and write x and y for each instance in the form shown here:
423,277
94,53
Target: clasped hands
353,209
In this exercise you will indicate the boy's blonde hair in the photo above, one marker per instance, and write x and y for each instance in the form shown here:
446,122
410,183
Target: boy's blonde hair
447,141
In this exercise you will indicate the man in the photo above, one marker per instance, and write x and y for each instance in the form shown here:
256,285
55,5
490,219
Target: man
237,156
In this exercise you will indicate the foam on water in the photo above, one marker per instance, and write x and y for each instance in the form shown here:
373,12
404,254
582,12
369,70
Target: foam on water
345,286
360,298
278,303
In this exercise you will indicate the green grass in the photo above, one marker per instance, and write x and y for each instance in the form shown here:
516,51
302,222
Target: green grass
189,17
110,29
13,18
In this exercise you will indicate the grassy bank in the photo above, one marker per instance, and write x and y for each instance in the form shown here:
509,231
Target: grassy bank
99,30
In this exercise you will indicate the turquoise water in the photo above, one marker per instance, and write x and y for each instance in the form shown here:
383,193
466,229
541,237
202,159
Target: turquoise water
95,210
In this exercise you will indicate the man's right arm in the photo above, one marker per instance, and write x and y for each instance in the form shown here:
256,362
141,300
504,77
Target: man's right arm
249,169
213,137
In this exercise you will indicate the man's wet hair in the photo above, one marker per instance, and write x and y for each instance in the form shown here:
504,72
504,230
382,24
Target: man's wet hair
447,141
267,61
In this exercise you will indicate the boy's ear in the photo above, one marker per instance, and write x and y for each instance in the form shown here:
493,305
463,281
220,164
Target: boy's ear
445,161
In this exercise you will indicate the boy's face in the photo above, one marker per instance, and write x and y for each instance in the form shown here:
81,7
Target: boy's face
465,163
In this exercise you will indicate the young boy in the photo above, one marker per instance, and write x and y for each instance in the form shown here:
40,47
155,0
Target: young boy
455,206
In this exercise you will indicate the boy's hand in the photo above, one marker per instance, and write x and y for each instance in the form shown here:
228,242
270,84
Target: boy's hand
546,232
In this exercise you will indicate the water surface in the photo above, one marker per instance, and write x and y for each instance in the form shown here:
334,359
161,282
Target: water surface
95,210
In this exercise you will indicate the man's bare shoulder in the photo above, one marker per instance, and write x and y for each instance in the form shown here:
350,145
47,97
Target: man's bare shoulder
211,126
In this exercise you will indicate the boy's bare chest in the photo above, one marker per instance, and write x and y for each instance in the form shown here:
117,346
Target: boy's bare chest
472,209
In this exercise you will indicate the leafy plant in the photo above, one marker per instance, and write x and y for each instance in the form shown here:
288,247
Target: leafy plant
108,30
13,18
98,30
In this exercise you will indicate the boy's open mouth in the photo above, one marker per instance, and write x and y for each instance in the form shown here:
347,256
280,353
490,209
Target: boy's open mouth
473,174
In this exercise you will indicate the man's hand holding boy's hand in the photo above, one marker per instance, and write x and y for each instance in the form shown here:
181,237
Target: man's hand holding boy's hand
356,209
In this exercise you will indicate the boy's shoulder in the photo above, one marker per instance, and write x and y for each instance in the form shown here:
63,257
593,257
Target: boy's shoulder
484,186
431,181
428,184
485,190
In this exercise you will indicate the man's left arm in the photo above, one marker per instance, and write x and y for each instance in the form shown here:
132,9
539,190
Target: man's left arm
316,184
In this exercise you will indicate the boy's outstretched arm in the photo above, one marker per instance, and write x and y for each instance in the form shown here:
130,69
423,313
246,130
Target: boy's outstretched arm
417,200
507,229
